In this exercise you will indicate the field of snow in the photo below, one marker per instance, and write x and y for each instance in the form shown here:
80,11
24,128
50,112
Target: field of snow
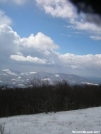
88,120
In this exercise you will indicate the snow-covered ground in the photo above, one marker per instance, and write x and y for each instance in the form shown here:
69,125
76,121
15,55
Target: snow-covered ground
88,120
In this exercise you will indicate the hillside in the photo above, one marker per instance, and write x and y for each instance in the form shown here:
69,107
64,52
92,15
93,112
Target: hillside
54,123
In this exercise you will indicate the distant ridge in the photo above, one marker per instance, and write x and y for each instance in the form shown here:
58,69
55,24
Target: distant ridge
19,79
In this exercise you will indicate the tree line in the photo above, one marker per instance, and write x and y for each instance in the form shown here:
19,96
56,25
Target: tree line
48,98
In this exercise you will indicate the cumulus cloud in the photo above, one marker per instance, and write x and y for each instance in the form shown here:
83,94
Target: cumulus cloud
18,2
7,43
30,49
39,41
4,19
7,40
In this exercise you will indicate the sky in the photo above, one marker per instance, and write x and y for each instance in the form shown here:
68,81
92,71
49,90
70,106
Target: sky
48,35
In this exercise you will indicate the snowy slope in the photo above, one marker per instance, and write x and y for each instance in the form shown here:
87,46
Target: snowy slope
54,123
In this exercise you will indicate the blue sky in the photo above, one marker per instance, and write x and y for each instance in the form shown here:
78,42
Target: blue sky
48,35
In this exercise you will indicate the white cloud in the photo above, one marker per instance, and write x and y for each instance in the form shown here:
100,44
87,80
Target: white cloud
34,48
28,59
39,41
58,8
4,19
95,37
7,40
68,35
40,50
10,40
18,2
64,9
87,26
85,62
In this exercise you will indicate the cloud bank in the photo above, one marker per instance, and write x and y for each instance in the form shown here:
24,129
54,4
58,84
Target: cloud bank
41,50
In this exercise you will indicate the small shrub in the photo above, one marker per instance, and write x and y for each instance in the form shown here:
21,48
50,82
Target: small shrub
2,128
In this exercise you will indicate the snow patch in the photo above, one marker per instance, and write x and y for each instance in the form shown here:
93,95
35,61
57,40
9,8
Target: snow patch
21,85
46,79
13,79
56,75
22,73
33,72
5,70
9,72
87,83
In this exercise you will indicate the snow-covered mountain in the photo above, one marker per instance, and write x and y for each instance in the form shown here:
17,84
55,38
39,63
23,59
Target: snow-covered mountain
16,78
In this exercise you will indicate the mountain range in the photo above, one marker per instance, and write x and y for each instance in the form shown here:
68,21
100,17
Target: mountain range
20,79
